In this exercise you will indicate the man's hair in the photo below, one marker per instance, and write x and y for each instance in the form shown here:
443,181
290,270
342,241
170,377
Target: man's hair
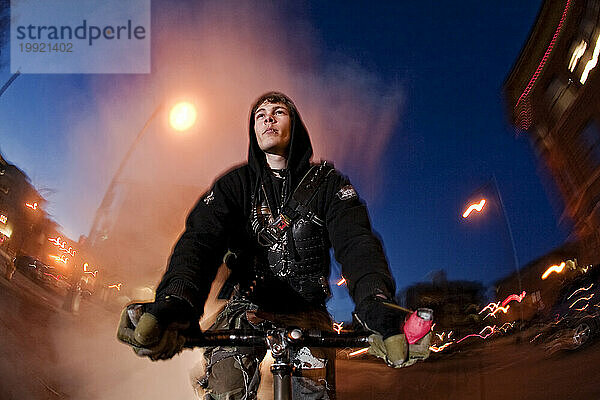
275,97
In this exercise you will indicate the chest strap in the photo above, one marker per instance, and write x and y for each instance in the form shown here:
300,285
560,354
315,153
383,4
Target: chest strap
297,205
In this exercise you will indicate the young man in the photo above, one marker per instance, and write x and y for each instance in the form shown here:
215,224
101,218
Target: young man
275,219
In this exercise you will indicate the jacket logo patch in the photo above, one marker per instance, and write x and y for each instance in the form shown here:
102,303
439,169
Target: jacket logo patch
346,193
209,198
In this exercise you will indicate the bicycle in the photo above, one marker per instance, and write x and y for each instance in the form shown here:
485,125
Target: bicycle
280,341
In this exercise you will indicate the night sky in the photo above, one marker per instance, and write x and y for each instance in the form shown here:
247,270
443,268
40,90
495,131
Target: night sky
448,62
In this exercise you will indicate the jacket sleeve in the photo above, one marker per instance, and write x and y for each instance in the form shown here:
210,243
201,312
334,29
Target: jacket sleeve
199,251
356,247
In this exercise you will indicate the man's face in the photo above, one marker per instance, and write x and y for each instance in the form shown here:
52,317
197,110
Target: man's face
272,126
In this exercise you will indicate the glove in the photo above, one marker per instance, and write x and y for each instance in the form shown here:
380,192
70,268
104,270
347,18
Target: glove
379,318
156,330
393,350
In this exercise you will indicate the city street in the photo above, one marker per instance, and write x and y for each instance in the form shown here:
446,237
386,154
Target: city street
46,353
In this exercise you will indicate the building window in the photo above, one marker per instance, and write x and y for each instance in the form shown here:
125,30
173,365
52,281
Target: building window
560,95
590,140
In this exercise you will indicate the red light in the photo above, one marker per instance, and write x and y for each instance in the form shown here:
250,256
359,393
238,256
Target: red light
516,297
341,281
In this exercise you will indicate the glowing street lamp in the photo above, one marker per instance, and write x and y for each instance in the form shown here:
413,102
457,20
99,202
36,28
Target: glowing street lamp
182,116
33,206
474,207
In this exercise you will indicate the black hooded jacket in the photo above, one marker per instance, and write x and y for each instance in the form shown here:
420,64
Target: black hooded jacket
220,221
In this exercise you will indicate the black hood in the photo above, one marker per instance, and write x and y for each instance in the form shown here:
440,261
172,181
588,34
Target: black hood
300,150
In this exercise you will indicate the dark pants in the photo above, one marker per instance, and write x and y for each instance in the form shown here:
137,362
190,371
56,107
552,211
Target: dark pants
233,373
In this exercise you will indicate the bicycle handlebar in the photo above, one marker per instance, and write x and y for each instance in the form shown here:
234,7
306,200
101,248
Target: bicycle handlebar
293,336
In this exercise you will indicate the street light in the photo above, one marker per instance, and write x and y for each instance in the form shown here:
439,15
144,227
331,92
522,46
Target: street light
479,207
181,117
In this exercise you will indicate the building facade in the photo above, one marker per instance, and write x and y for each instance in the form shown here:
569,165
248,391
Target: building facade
553,96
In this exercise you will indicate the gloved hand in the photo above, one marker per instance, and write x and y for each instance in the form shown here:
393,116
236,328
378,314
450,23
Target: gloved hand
156,330
393,350
379,318
388,342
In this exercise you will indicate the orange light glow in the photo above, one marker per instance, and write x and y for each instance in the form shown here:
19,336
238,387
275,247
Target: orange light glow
516,297
358,352
474,206
506,326
62,245
493,314
3,218
182,116
555,268
583,308
581,298
338,327
437,349
33,206
86,271
581,289
491,306
341,281
115,286
63,259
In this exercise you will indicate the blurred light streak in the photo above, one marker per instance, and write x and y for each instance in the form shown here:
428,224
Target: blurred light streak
516,297
491,306
33,206
581,289
358,352
582,308
493,313
86,271
506,326
57,277
62,244
338,327
341,281
116,286
450,334
524,116
577,53
480,334
592,63
3,218
437,349
582,298
440,336
63,259
474,206
555,268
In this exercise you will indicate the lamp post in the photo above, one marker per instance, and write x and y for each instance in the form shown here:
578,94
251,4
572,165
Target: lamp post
479,207
181,117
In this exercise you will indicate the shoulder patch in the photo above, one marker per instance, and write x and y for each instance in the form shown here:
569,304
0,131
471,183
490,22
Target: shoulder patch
209,198
347,192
